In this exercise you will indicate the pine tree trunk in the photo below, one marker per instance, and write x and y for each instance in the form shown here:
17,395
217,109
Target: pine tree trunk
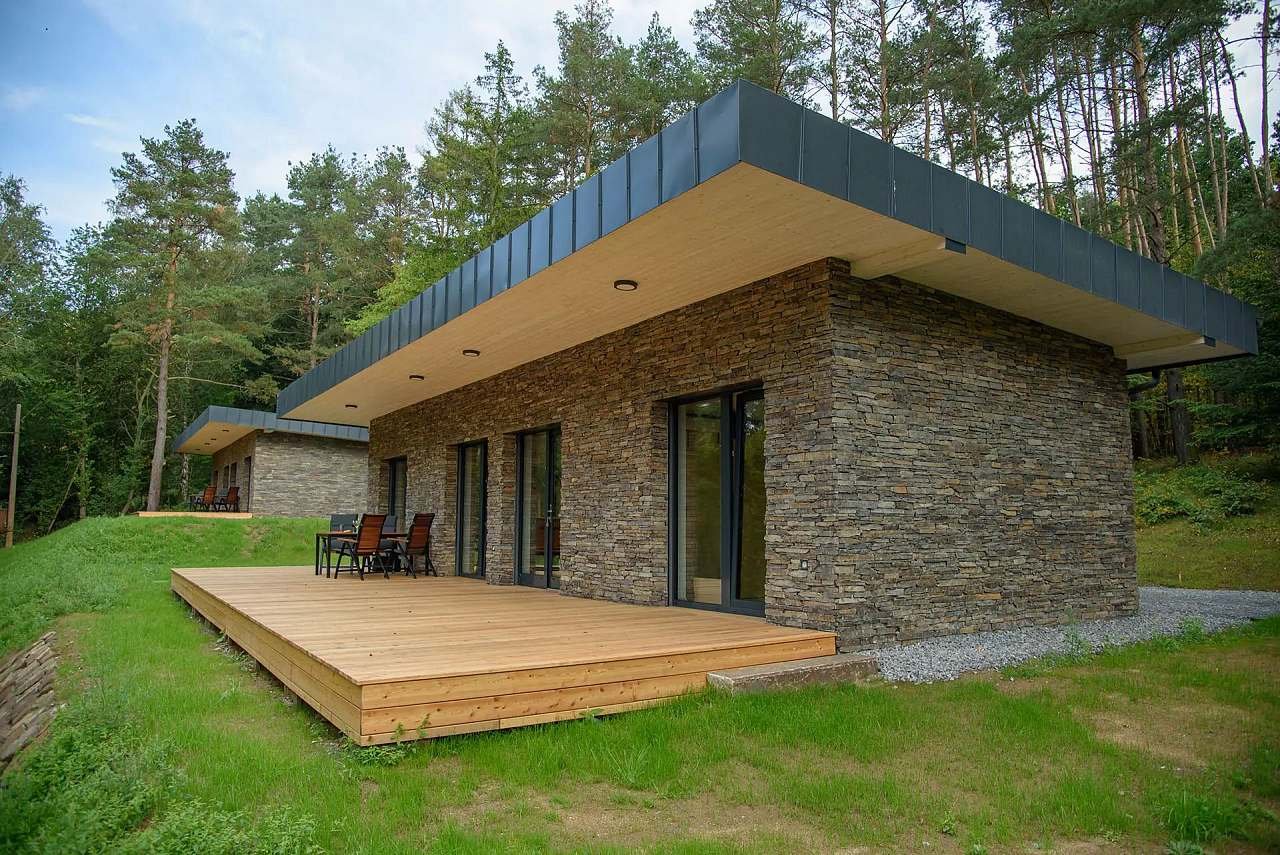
1142,436
1266,117
184,482
162,386
1210,144
1244,127
1157,247
315,325
833,64
1067,163
1179,419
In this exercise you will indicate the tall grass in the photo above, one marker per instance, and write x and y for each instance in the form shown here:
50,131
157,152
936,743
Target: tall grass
170,744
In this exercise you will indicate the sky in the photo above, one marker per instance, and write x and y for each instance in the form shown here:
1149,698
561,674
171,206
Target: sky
82,80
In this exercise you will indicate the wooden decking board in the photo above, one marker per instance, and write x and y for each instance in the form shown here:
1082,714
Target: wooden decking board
398,692
379,658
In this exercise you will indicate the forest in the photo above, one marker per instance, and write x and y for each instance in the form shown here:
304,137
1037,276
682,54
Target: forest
1122,116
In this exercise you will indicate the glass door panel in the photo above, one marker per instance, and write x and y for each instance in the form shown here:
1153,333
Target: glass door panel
471,509
552,538
749,581
698,500
538,553
719,512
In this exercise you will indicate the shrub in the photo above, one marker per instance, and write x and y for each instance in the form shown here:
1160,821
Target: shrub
1201,493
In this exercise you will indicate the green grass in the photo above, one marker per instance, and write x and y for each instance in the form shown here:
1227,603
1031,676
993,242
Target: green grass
1239,553
171,743
1212,525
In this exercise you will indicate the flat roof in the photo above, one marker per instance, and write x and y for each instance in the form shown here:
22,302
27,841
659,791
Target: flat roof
747,185
218,427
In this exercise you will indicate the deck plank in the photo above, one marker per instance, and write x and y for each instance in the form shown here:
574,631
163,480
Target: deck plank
380,657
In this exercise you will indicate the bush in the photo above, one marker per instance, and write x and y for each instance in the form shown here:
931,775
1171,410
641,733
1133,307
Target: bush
98,784
1204,494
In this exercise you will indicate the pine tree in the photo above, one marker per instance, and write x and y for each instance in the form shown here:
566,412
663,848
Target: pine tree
582,105
764,41
664,83
175,219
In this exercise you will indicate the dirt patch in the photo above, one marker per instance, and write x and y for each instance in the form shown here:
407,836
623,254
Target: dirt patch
626,819
1191,733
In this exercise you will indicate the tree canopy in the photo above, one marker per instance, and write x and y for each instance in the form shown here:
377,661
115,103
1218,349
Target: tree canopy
1122,116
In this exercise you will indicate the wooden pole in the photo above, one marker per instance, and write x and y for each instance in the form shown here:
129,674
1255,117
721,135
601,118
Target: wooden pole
13,477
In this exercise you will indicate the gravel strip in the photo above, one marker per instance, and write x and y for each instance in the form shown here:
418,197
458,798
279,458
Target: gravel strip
1161,611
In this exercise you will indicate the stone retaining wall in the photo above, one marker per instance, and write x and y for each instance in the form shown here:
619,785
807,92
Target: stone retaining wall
27,699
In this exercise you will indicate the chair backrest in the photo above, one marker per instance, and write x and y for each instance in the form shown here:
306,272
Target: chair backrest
210,493
369,536
420,533
343,522
233,494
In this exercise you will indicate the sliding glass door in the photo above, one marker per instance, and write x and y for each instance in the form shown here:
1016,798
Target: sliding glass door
718,501
538,509
472,472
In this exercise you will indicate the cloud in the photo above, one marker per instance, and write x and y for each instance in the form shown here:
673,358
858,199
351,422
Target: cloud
98,122
18,98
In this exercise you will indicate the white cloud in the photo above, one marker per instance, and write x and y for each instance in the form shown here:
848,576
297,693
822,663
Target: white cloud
18,98
98,122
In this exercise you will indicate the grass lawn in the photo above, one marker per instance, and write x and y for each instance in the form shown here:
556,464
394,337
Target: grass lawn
1239,552
173,742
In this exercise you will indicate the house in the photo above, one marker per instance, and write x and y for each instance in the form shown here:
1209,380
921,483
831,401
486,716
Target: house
283,467
765,363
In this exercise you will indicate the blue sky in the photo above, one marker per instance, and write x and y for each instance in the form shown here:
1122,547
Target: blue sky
81,80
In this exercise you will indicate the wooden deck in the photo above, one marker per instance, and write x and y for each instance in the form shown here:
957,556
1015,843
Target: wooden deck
402,658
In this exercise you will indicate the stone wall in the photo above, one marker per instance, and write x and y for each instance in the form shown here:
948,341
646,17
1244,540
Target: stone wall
608,396
27,698
308,476
235,453
983,470
932,466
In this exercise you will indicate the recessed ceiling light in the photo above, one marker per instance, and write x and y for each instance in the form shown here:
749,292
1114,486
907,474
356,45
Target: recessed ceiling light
626,284
416,377
470,351
350,406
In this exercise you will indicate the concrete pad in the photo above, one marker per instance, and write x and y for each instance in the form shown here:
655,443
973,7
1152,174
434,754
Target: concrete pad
842,668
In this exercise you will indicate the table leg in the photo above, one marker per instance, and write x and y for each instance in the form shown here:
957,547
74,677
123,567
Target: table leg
318,555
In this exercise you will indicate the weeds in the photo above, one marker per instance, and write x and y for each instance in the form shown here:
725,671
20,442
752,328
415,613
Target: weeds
1203,494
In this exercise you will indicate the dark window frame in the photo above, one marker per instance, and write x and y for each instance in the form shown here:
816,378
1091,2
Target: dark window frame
394,487
483,446
731,399
522,437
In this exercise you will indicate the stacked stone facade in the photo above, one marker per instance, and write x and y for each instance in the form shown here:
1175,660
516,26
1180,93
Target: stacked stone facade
294,475
931,465
237,452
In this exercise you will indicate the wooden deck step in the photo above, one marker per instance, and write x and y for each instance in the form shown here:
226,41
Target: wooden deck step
842,668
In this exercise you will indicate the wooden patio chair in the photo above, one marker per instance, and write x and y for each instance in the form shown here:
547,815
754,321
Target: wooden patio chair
365,550
230,501
202,501
418,543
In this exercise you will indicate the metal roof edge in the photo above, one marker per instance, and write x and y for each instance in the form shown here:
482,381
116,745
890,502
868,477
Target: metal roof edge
745,123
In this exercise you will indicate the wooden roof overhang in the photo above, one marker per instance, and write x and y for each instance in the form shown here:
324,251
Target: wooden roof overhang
747,185
217,427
